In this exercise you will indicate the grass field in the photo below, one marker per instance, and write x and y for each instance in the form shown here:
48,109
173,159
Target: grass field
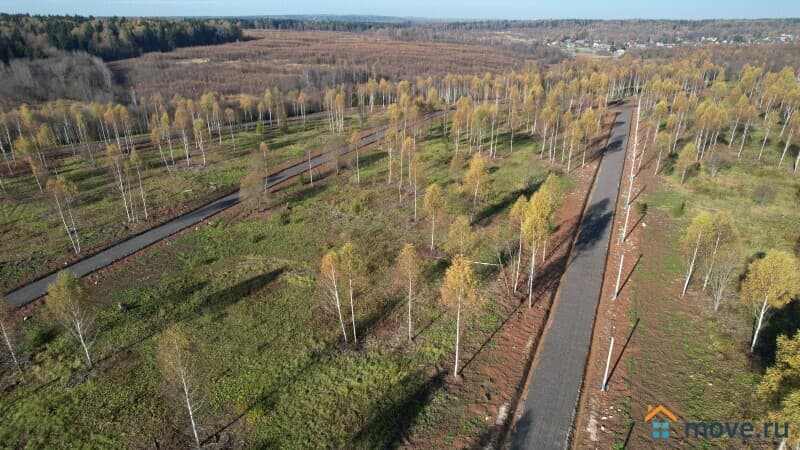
685,355
272,369
35,240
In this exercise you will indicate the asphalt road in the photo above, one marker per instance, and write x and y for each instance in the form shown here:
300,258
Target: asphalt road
551,401
38,288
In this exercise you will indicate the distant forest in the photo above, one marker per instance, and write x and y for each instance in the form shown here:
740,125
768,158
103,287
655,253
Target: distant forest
26,36
333,23
33,37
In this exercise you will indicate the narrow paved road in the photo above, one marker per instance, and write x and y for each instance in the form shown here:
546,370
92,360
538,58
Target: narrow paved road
38,288
552,397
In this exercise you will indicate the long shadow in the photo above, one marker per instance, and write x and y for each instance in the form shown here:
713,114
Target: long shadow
214,303
628,435
504,203
566,237
367,159
615,144
786,323
595,223
226,297
269,399
491,336
628,277
638,193
638,221
305,192
392,423
428,325
622,352
368,323
544,281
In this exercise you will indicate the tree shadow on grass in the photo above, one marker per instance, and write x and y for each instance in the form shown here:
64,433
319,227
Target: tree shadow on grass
391,423
366,159
220,300
365,325
785,322
214,304
501,204
303,193
269,399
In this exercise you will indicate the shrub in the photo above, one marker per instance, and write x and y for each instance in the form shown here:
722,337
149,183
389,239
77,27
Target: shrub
764,194
641,208
677,210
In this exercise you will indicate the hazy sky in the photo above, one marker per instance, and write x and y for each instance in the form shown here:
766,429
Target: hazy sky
468,9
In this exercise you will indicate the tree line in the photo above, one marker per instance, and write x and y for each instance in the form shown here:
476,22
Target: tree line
32,36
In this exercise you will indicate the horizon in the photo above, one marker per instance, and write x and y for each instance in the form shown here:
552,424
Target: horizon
466,10
378,18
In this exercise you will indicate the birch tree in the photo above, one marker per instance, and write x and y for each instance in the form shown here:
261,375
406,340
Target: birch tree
686,160
476,180
660,143
770,121
696,241
263,147
723,236
68,302
517,219
460,239
26,148
432,203
251,189
722,275
794,128
771,283
459,291
7,328
355,141
63,192
534,231
230,117
136,162
182,123
350,266
116,165
407,273
176,359
329,278
198,126
156,141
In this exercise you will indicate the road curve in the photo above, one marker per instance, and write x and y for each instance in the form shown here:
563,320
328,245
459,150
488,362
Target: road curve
38,288
550,403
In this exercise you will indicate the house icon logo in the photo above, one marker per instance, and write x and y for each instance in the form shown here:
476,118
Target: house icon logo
660,425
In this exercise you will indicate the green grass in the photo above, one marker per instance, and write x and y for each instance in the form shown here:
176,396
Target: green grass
35,237
272,370
690,356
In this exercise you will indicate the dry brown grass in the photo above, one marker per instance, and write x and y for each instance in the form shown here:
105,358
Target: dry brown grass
307,59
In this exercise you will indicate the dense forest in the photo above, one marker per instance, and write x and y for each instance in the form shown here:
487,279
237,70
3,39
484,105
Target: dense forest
334,23
26,36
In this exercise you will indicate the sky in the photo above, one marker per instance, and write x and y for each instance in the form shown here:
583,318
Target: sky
449,9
